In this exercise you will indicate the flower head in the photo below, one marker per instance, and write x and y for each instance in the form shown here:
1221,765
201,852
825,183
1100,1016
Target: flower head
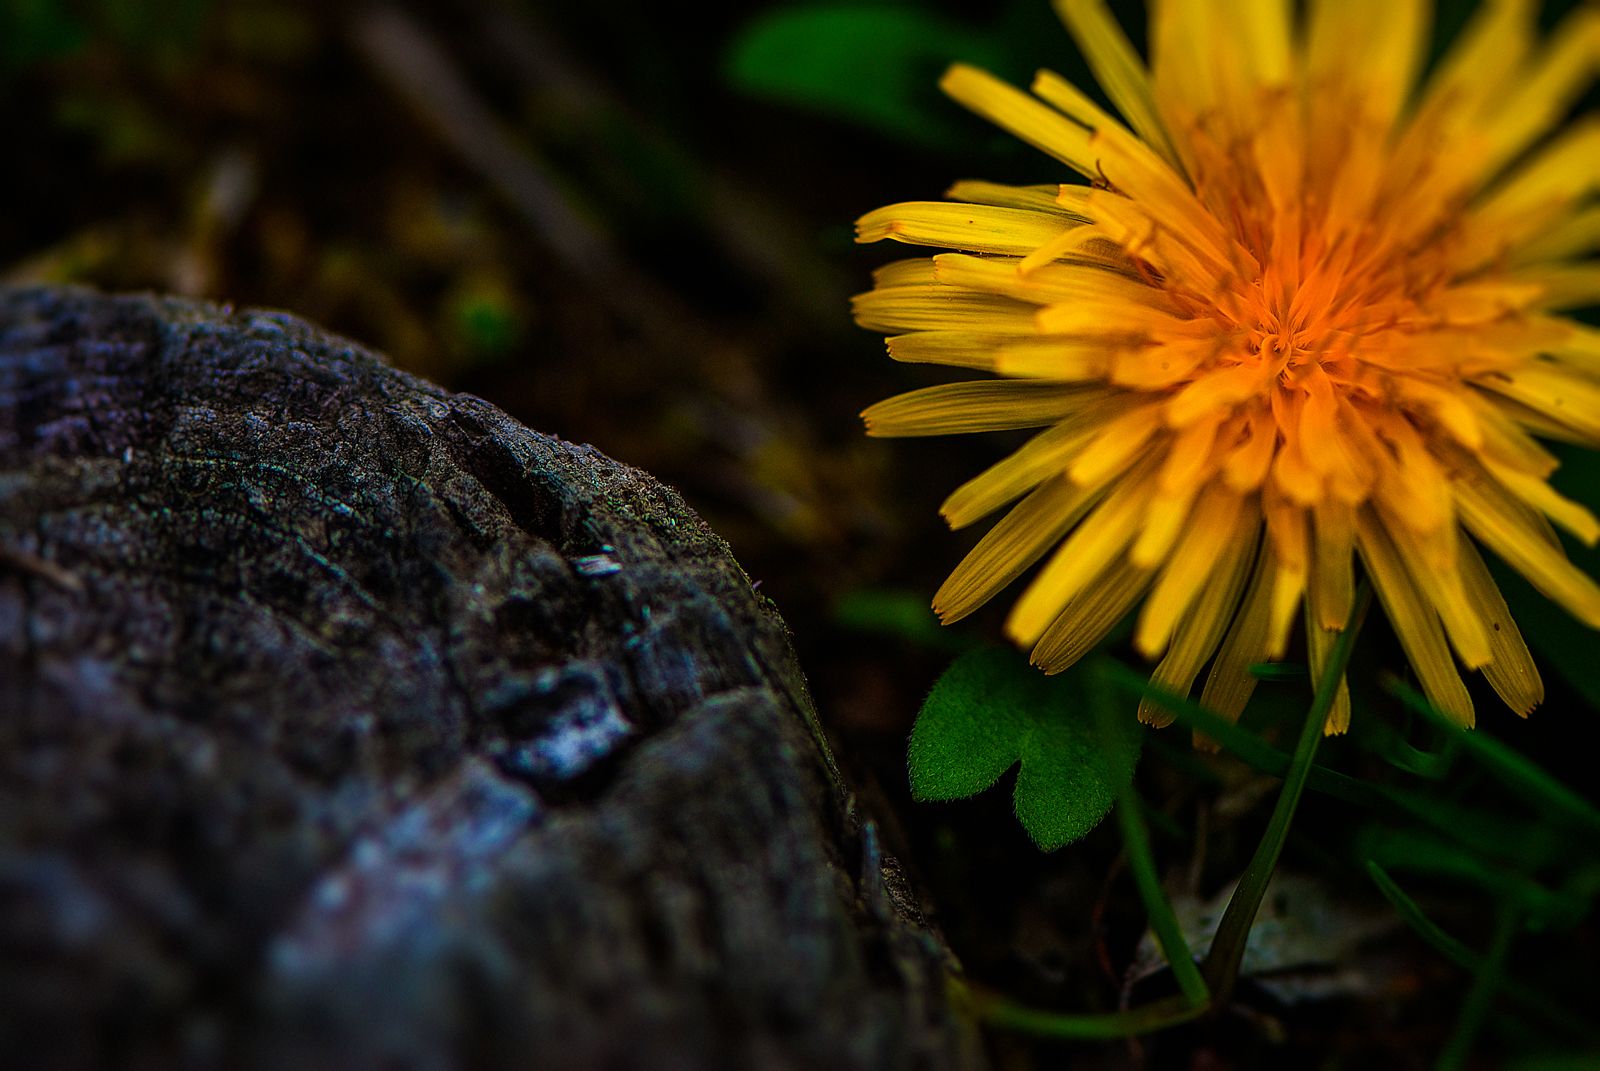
1304,312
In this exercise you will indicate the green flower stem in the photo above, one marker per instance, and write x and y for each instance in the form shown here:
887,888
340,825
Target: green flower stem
1136,839
1221,968
1389,803
1476,1006
1136,843
1003,1012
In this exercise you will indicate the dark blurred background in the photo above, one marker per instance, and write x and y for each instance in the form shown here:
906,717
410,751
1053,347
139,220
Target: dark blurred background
629,224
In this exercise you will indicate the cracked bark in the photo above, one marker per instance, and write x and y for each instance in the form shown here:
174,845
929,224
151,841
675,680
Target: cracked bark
344,722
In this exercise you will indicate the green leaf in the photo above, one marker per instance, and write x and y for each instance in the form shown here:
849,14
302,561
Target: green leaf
876,66
991,710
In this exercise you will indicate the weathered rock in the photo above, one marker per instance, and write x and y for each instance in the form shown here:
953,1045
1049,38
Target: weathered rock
344,722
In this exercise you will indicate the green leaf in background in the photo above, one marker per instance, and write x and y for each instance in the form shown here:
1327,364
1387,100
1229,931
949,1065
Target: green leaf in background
876,66
1279,671
32,30
172,28
904,615
991,710
38,30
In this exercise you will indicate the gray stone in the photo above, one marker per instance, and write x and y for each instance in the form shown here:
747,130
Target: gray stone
346,723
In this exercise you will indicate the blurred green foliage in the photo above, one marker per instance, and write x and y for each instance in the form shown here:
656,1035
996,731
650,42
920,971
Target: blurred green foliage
876,66
902,615
35,30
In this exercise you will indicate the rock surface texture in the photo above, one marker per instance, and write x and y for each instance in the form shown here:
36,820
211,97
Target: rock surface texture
347,723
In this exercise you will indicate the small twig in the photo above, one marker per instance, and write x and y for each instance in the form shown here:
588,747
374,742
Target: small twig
752,229
424,76
43,568
421,73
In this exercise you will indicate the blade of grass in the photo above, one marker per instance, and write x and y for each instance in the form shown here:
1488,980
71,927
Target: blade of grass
1278,671
1242,744
1476,1006
1503,879
1414,917
1383,740
1489,830
1221,968
1528,1000
1515,770
1136,843
1264,758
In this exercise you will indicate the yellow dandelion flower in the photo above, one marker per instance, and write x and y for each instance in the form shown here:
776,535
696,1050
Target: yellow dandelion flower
1305,312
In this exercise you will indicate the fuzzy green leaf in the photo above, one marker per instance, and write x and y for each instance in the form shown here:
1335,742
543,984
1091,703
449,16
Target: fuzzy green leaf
991,710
